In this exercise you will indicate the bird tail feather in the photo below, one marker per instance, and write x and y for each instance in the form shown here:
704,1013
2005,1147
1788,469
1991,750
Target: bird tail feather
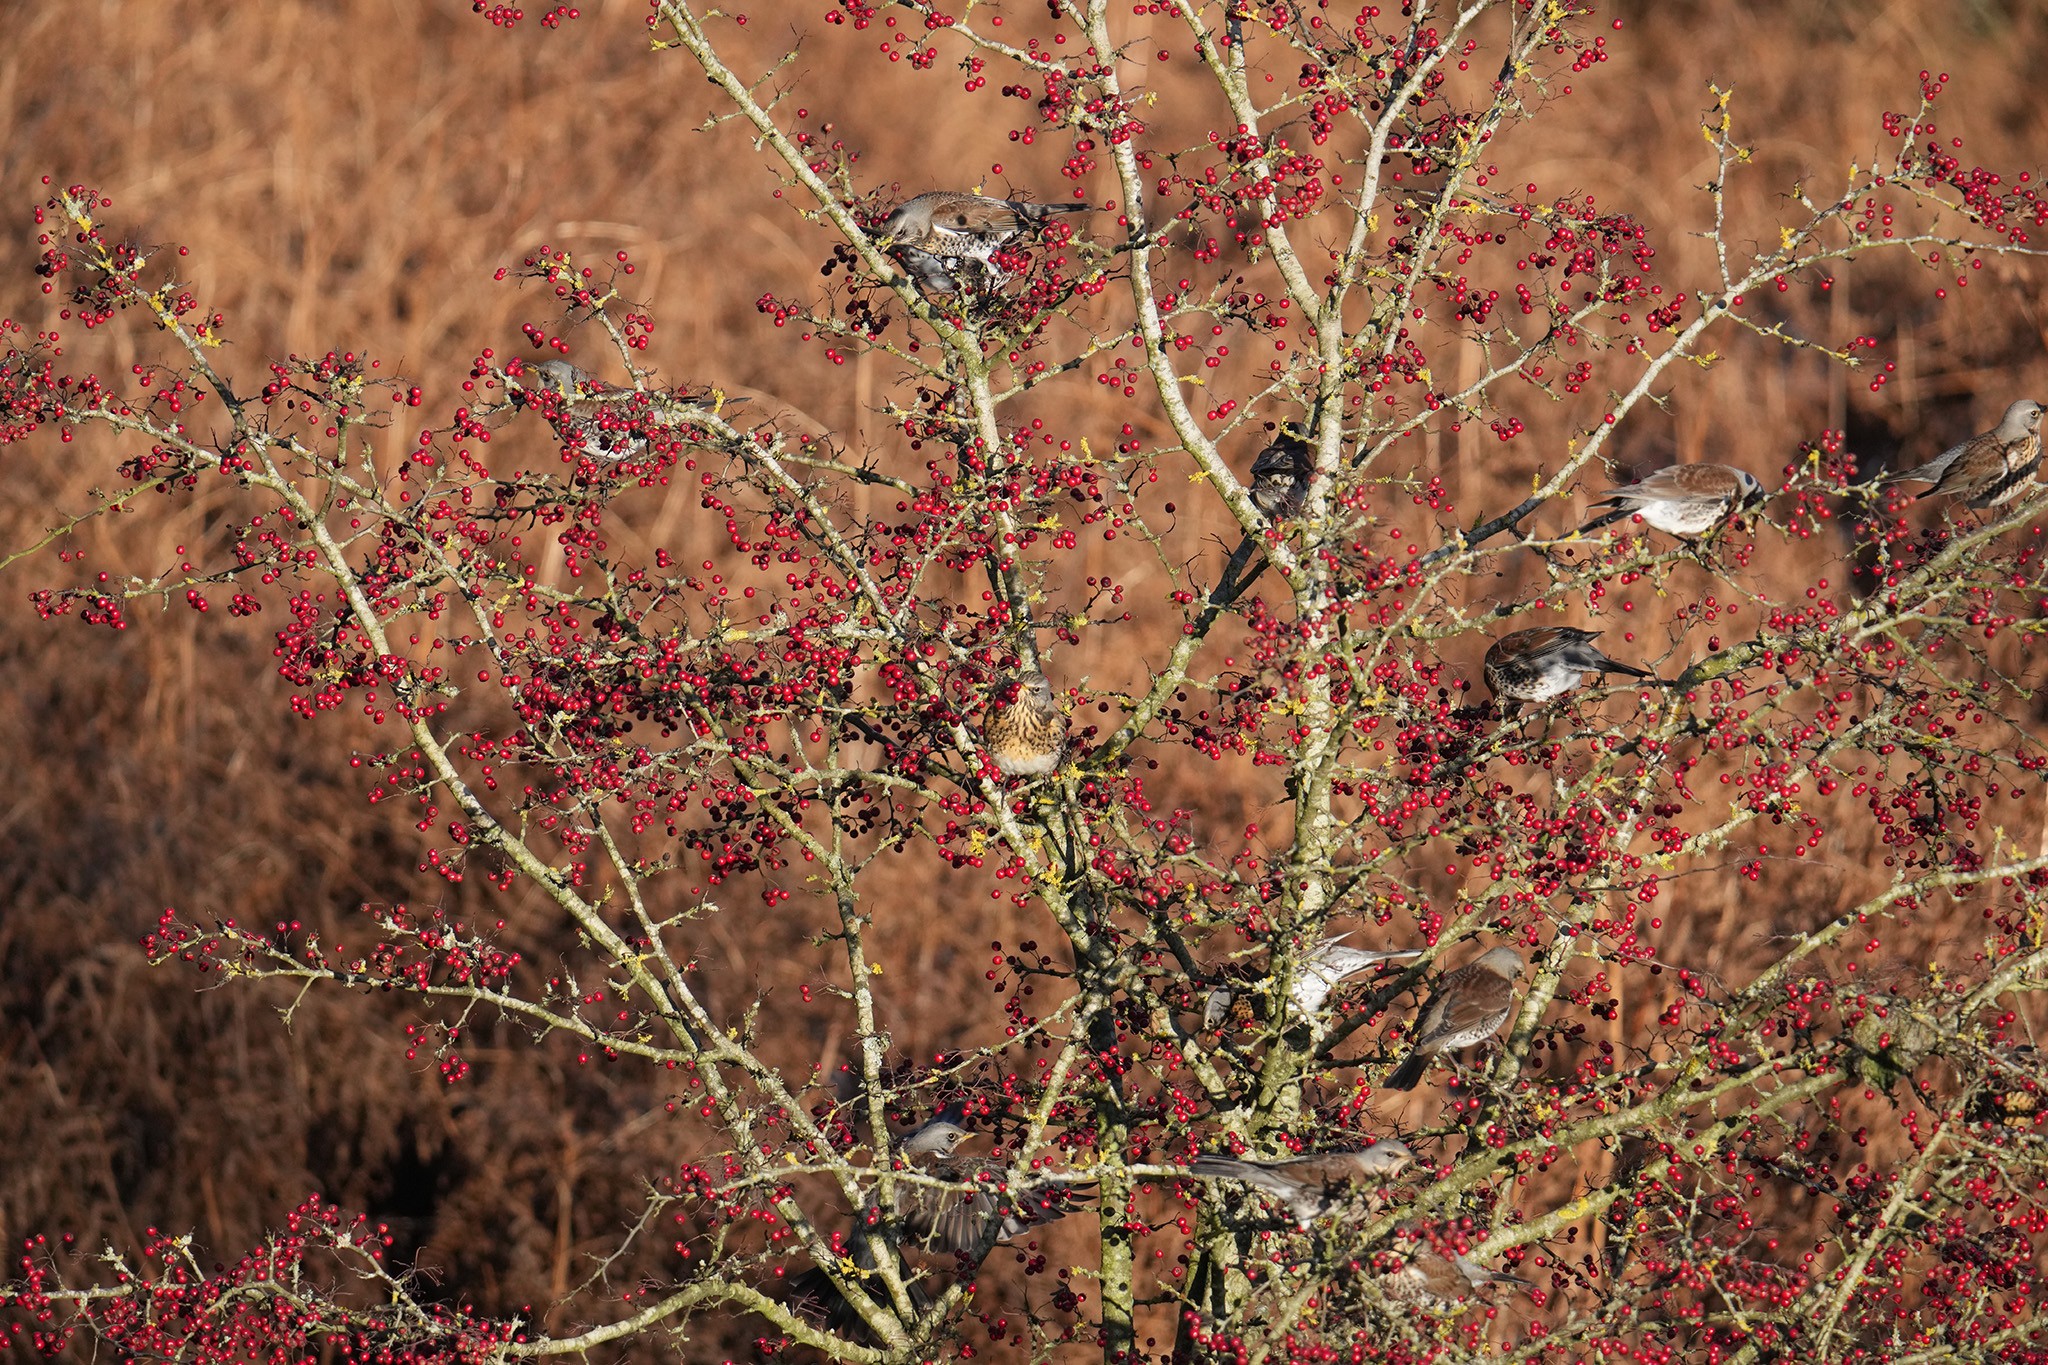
1409,1073
1606,518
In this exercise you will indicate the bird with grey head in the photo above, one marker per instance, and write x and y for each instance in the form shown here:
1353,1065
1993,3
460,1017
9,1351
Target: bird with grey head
1988,470
1468,1006
1684,500
1313,1184
1026,735
1440,1280
936,231
976,1203
591,416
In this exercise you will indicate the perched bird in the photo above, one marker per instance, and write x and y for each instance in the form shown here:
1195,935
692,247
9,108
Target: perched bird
2011,1095
1536,665
969,1222
1682,499
1433,1280
1309,1186
590,414
1467,1007
951,226
928,270
1988,469
1318,974
561,378
1216,1008
1280,476
1027,736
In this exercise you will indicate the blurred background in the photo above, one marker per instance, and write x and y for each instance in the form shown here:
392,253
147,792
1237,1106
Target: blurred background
349,175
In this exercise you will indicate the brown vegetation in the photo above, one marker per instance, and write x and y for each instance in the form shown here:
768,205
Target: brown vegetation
351,176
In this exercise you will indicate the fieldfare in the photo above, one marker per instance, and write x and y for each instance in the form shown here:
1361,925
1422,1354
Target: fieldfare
1468,1006
945,227
1316,976
1988,469
1440,1282
589,414
1280,477
969,1222
1548,661
1682,499
1026,736
1310,1186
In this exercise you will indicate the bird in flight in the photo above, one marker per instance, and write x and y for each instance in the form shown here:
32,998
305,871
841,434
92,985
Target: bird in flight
1312,1184
993,1207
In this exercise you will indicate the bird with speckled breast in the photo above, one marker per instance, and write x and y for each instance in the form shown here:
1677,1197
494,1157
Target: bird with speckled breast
1439,1281
1682,499
1548,661
1026,735
937,230
1991,468
1468,1006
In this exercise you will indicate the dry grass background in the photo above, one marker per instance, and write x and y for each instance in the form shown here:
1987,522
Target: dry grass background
349,175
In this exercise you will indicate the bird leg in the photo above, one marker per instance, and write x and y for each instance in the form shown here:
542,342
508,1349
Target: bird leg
1477,1078
994,275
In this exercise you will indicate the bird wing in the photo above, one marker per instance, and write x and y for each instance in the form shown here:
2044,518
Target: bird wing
969,1222
1301,1196
927,270
1286,456
1039,213
1327,1169
1659,485
1046,1201
974,216
1980,464
1431,1024
1268,1178
1467,1008
2000,485
961,1222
